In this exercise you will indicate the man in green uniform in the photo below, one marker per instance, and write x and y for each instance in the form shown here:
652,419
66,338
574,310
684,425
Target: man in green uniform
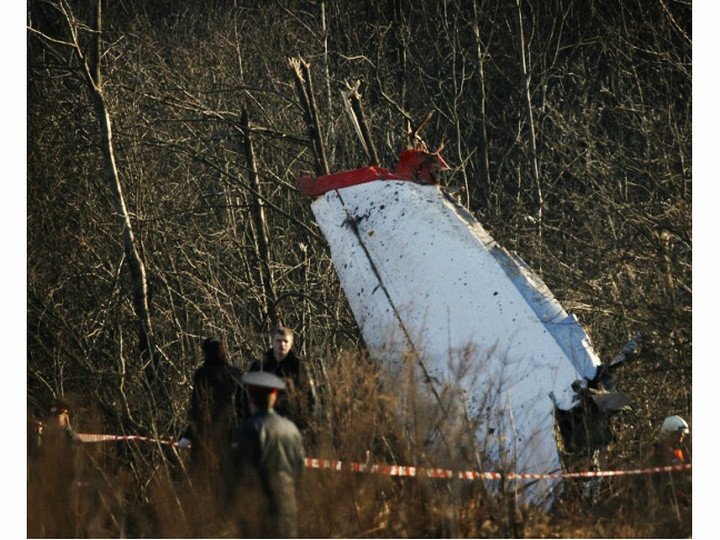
266,459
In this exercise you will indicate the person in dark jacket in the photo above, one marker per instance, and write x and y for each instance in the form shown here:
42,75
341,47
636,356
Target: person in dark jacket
53,474
265,462
280,360
215,409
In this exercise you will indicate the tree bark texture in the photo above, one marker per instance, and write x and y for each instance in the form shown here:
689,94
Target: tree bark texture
303,83
527,96
136,265
261,228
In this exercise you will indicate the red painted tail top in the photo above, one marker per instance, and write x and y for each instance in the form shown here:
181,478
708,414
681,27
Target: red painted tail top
413,165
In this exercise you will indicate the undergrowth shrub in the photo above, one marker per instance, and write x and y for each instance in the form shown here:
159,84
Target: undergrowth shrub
113,494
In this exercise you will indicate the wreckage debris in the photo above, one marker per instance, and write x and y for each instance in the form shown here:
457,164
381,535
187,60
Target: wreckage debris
422,275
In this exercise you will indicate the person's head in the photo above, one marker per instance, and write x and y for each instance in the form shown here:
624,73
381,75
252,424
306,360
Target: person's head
673,430
263,389
262,398
282,342
58,413
214,350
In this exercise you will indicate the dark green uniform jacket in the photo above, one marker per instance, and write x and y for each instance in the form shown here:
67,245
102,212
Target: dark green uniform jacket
266,461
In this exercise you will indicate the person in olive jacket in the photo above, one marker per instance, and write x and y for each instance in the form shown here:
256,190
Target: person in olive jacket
265,462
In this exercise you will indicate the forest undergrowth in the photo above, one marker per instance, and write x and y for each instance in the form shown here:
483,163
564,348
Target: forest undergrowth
140,489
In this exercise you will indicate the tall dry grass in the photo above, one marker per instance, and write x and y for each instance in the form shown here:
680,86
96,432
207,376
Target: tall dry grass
114,493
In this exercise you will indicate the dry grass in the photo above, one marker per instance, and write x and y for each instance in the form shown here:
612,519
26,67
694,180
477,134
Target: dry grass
360,421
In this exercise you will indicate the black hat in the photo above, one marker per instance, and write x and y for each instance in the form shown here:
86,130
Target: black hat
262,381
211,345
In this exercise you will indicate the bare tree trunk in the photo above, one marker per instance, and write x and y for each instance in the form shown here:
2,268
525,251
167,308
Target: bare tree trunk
261,229
483,142
303,83
531,124
401,35
136,266
326,61
357,117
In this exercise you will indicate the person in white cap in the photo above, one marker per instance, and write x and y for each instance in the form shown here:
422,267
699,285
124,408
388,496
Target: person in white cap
673,489
669,450
265,461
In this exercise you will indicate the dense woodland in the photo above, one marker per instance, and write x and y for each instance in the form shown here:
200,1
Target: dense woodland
164,142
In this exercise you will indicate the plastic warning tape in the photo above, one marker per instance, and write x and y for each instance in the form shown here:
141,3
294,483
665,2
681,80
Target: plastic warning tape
96,437
422,472
415,472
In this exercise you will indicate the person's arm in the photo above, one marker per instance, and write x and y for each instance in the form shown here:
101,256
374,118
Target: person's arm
685,453
246,449
242,409
299,454
194,413
72,436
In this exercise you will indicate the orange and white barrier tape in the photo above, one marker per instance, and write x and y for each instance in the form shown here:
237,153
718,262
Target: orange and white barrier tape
95,437
415,472
423,472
